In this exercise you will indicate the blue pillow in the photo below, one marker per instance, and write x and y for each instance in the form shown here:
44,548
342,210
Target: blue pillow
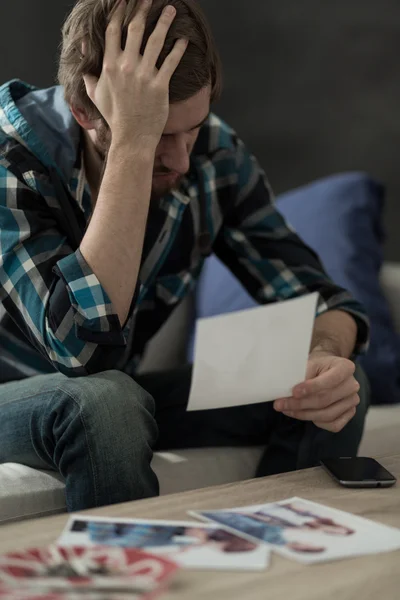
340,217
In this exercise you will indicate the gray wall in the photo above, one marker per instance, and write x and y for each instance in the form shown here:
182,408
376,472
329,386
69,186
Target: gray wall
29,38
313,87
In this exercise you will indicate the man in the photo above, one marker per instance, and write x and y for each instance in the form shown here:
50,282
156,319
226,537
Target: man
113,189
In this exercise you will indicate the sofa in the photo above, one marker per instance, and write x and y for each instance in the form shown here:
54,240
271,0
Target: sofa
29,493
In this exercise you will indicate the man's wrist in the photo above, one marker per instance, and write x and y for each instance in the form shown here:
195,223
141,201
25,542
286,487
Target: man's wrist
335,334
123,147
326,349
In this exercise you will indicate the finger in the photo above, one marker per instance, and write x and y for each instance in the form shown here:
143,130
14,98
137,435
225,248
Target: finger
90,82
157,39
331,379
321,400
339,424
173,59
83,49
114,33
281,404
136,29
326,415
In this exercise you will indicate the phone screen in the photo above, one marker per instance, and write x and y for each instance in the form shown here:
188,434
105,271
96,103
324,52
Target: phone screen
357,469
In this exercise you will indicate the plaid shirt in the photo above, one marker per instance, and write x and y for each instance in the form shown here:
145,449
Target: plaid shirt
54,312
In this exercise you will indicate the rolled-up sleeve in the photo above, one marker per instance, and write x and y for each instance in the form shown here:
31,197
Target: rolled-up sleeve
94,316
268,257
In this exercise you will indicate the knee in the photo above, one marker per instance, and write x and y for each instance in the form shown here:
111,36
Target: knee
111,401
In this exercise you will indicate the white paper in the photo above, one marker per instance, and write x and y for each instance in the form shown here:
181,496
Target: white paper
252,356
189,544
306,531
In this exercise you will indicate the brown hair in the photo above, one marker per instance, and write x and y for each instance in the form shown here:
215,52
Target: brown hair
88,21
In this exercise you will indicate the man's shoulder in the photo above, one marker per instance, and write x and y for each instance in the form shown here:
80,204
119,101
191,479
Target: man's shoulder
215,135
17,159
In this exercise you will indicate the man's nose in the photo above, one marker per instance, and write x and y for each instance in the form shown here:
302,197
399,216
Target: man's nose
177,155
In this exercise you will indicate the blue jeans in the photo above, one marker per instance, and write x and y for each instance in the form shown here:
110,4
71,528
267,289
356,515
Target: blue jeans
100,431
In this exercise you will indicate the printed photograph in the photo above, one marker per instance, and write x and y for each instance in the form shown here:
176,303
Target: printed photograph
191,545
306,531
95,573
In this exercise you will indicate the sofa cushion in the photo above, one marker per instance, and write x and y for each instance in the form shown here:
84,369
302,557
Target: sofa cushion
390,282
340,217
381,435
203,467
27,493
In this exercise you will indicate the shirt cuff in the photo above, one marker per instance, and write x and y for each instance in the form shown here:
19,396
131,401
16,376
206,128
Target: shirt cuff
95,318
355,310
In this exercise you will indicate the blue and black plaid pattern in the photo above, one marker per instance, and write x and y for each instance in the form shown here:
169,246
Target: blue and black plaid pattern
54,312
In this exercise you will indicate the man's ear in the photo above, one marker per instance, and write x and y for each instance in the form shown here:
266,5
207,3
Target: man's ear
82,118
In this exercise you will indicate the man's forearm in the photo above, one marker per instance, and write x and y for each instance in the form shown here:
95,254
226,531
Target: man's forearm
335,333
113,243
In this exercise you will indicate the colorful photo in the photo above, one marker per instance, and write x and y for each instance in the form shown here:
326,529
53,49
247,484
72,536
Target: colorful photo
95,573
191,545
306,531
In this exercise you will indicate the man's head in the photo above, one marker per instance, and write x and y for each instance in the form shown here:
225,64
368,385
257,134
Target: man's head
195,83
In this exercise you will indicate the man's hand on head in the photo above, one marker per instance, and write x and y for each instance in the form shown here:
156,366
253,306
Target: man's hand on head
329,396
131,94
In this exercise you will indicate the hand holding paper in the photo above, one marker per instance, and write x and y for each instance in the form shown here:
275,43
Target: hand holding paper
330,396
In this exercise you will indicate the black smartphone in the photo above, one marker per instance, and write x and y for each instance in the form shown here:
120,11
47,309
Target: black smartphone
358,472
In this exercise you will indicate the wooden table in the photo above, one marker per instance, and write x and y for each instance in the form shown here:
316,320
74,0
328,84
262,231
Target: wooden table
367,578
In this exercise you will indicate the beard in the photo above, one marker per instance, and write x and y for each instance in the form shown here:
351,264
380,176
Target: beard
164,181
